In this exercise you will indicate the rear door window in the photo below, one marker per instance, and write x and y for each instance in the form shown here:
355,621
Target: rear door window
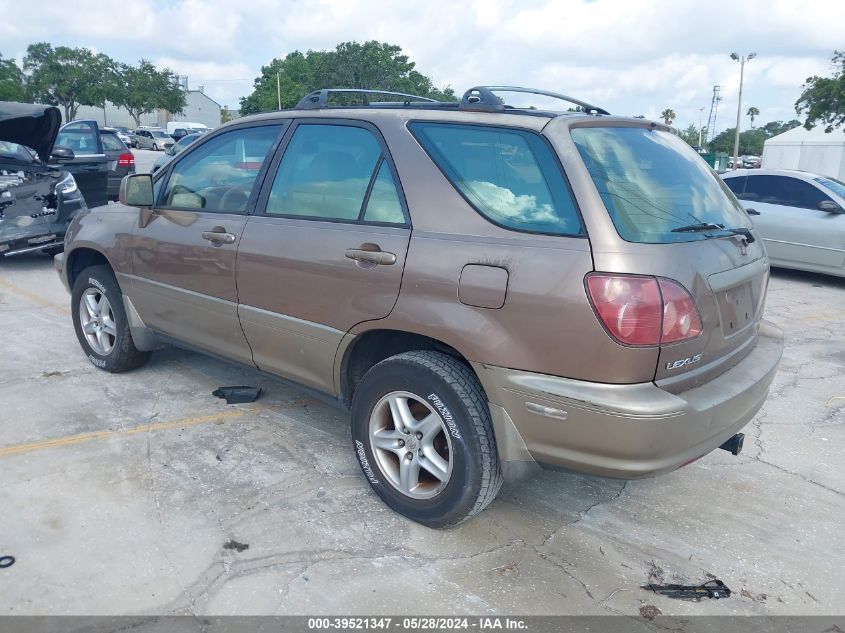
509,176
335,172
651,182
81,137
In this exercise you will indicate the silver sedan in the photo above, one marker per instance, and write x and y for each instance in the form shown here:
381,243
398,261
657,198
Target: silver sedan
800,216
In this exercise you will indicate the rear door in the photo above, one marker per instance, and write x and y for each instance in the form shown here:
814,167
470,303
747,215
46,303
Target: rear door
183,250
89,166
120,160
795,230
325,251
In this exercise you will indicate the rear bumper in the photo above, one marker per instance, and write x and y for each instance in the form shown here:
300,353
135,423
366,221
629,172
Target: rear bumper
625,431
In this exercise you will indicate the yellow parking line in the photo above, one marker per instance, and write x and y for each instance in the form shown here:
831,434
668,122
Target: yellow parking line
32,297
223,416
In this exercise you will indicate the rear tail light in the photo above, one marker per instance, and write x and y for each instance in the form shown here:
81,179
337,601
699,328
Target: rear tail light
126,159
643,311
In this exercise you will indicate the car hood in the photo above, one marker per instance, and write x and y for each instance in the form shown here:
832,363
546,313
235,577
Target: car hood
35,126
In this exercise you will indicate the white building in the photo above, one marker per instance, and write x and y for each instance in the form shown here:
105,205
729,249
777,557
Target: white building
808,150
199,108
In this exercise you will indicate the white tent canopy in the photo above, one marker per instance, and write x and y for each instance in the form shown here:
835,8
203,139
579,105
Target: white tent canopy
809,150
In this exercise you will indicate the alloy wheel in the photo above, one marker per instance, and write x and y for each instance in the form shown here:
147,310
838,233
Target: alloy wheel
97,321
411,444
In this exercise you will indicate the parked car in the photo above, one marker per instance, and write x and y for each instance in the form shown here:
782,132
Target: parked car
126,135
121,159
178,129
38,196
799,215
89,165
180,132
170,152
485,287
154,139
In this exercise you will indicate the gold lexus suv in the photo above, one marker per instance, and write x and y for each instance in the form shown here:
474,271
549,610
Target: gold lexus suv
486,288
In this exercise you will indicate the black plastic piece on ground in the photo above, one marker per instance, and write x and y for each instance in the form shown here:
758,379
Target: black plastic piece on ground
711,589
734,444
6,561
237,395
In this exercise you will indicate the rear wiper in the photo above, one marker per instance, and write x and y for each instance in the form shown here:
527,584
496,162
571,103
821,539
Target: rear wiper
700,227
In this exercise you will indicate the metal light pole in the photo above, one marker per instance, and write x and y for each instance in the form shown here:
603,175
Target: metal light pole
700,114
741,61
279,90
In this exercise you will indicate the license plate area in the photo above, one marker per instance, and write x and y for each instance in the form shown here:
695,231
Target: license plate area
736,309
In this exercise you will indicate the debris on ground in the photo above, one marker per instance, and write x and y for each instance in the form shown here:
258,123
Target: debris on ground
237,395
233,544
711,589
6,561
649,611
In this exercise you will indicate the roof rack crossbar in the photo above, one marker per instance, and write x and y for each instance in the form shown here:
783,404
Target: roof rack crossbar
319,99
481,98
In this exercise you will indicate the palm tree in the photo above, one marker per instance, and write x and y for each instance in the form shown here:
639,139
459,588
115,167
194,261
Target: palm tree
753,112
668,115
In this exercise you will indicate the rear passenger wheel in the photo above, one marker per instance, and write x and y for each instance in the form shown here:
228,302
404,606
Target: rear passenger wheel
100,321
422,433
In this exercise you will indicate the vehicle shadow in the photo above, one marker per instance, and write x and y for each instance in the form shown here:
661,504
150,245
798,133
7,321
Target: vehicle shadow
818,280
36,260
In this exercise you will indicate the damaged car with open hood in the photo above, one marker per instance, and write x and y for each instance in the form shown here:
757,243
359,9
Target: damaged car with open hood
41,185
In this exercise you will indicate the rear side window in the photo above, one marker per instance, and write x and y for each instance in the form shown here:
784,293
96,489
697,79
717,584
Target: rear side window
111,142
736,184
652,182
510,176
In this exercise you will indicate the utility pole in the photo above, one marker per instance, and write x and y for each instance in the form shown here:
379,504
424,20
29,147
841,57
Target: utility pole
741,61
279,90
700,129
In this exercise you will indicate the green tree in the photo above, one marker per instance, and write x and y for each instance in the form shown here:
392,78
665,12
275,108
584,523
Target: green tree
66,77
144,88
752,114
750,141
690,135
822,99
225,115
11,81
375,65
668,115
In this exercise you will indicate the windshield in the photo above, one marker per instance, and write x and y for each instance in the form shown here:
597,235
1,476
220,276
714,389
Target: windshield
16,152
652,182
160,134
834,185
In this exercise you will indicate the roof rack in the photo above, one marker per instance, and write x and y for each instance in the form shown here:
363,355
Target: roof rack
319,99
482,99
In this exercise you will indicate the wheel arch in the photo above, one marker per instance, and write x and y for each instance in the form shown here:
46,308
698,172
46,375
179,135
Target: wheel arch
357,353
81,258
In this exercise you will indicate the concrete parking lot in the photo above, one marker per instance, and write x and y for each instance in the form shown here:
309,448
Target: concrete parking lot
142,493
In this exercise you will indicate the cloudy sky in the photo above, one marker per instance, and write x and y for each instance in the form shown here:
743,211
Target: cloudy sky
629,56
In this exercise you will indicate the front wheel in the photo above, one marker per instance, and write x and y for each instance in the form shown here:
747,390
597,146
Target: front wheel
100,321
422,433
155,147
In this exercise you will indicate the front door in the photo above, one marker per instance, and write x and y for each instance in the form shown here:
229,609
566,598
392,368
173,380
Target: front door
325,250
794,228
184,250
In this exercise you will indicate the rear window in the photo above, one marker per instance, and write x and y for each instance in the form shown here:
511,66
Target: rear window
510,176
651,182
111,141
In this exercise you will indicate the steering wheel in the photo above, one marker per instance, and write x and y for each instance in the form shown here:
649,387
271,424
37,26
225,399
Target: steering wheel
235,199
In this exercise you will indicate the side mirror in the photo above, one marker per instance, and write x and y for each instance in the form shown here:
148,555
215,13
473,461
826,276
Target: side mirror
830,206
62,154
136,190
169,150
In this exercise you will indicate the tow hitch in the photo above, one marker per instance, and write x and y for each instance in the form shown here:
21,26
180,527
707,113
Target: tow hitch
734,444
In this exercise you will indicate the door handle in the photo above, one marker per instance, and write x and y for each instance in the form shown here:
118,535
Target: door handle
218,237
750,211
373,257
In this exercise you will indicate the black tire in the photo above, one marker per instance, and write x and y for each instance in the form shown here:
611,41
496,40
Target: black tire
455,393
155,147
123,356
